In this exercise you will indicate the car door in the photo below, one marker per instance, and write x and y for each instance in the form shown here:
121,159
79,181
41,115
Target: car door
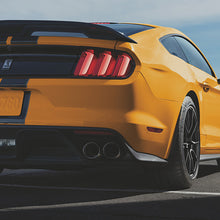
210,95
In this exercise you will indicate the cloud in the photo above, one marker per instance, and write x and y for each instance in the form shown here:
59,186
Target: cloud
163,12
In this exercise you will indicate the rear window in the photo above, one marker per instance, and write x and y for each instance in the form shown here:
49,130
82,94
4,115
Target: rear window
127,29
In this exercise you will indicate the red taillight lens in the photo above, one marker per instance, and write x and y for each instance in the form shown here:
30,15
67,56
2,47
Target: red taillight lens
104,64
84,63
122,65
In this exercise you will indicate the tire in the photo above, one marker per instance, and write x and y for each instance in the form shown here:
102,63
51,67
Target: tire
183,162
218,163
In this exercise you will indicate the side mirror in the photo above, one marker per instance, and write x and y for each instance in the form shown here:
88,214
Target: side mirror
218,81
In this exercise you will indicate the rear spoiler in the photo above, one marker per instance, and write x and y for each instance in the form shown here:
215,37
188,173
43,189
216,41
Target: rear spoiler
22,30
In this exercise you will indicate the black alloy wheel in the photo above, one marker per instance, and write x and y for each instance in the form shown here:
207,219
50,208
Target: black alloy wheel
191,143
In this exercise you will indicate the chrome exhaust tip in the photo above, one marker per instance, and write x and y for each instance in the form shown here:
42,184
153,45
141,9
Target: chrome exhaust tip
91,150
111,150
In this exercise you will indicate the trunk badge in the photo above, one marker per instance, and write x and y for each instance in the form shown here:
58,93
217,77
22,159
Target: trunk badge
7,64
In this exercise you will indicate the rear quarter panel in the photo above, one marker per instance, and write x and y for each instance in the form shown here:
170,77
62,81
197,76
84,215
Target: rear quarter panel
168,77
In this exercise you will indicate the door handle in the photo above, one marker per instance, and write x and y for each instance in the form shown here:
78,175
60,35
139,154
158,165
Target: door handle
205,86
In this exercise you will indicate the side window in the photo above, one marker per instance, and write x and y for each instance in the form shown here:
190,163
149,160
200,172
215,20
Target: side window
173,47
194,57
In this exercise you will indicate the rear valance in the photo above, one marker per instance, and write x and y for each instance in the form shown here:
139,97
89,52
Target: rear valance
27,32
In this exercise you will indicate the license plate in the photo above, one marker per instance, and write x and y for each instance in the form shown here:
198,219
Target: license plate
11,102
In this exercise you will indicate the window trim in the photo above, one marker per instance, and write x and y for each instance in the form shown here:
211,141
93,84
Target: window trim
193,44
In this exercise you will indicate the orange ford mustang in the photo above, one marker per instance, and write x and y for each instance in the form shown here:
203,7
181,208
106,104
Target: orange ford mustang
82,94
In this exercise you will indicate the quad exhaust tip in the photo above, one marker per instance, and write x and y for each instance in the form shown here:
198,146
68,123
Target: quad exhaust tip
111,150
91,150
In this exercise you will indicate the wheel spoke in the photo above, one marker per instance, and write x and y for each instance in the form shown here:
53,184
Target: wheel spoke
185,146
187,160
195,142
185,149
195,134
195,160
190,164
195,146
193,128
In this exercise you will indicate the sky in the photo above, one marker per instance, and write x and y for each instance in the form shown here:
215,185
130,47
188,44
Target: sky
198,19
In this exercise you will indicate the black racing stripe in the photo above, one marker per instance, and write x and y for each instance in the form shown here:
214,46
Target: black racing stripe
3,39
24,40
21,118
14,82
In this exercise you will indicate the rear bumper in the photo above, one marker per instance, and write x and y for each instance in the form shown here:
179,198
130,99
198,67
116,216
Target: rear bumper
126,106
62,147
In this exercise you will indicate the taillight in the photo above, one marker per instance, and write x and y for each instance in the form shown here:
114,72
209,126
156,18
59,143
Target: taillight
84,63
122,65
103,65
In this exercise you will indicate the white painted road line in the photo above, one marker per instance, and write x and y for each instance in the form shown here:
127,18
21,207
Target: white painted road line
65,205
124,200
110,190
194,193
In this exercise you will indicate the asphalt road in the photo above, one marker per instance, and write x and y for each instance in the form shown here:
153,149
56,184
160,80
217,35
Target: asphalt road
105,194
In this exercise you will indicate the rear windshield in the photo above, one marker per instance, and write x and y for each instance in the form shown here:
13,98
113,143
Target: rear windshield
127,29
